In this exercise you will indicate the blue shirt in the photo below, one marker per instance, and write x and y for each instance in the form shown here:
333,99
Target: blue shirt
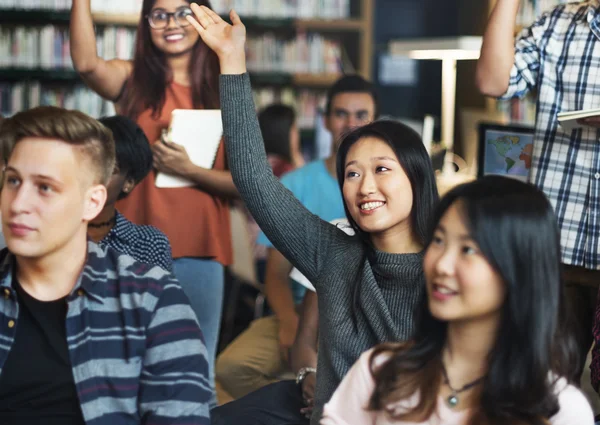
320,193
136,350
145,244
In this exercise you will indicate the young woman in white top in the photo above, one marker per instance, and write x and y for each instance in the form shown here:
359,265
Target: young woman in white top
489,346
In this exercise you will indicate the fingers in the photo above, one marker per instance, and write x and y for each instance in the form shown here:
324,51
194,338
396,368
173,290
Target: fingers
195,23
235,18
212,15
201,17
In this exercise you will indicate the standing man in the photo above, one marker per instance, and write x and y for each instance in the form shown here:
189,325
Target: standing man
558,57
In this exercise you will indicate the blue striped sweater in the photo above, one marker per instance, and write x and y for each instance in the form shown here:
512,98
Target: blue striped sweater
136,349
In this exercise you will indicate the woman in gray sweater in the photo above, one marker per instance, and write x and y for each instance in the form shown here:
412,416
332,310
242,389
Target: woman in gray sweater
367,284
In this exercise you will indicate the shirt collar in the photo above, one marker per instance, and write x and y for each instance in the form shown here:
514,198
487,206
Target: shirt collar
120,228
92,279
593,16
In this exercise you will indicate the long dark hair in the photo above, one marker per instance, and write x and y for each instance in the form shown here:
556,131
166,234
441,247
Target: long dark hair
275,122
414,160
515,228
146,87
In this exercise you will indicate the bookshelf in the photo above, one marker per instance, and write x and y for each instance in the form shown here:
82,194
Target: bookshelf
347,25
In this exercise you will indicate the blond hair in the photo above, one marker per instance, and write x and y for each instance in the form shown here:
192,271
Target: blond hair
94,141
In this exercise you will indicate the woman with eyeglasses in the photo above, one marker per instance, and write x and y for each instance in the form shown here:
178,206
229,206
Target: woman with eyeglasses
147,89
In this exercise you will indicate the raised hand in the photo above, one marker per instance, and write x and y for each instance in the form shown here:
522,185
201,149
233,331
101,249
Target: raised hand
227,41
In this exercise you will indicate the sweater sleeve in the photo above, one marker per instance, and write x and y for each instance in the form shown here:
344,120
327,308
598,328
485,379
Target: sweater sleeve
303,238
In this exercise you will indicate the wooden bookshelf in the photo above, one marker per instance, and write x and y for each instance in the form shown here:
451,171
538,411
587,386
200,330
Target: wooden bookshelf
354,35
258,78
361,26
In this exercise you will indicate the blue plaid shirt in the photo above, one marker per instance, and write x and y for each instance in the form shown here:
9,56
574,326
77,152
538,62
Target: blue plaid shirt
559,56
135,346
146,244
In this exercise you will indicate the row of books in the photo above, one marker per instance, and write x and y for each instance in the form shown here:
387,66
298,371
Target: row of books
47,47
306,53
530,10
325,9
36,4
307,103
25,95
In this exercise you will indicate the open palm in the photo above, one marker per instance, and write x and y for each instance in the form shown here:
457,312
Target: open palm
224,39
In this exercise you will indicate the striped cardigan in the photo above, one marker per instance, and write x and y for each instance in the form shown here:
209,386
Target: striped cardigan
136,349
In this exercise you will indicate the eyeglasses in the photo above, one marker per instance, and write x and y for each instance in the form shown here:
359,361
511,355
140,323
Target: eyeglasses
159,18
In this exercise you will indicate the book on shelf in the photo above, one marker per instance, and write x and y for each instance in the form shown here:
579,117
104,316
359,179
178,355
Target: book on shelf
306,53
303,9
306,102
50,5
25,95
47,47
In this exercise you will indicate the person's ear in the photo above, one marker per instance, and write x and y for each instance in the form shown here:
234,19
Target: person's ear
128,185
94,201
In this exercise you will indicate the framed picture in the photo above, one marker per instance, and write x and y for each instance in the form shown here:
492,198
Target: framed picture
505,150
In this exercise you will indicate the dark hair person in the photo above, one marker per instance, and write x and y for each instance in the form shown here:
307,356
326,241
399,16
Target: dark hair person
146,244
281,136
367,285
489,345
172,68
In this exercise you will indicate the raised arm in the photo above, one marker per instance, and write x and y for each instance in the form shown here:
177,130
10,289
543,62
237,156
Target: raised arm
300,236
498,49
104,77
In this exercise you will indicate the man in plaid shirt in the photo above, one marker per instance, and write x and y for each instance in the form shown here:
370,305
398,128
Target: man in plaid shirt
559,56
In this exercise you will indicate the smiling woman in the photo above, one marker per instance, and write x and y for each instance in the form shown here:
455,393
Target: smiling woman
490,344
172,69
367,285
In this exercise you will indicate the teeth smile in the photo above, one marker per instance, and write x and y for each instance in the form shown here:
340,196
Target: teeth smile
371,205
174,37
444,290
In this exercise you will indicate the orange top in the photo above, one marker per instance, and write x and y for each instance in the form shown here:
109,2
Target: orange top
196,223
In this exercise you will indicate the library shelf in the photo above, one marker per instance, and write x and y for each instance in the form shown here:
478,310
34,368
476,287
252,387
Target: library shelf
39,74
259,78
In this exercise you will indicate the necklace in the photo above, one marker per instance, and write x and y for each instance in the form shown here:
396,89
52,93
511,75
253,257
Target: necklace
103,224
452,399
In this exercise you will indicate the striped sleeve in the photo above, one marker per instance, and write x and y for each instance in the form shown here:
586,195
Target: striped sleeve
174,386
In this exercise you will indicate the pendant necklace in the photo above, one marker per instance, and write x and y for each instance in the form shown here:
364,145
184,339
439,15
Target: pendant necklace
452,399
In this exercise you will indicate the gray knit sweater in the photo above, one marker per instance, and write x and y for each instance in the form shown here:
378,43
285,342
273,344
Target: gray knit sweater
365,296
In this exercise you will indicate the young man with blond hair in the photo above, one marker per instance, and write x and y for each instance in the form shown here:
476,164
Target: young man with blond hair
87,335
